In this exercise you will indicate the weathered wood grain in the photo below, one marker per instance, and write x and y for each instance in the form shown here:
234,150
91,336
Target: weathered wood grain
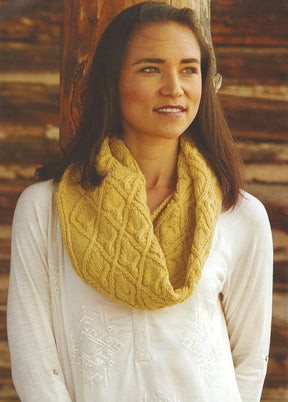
233,22
7,391
23,103
15,186
4,269
279,394
4,250
6,215
250,22
4,280
18,89
280,239
5,232
277,367
280,274
250,65
259,151
48,78
277,371
232,87
31,21
256,118
3,330
5,241
16,129
3,301
4,359
280,322
27,150
11,172
267,172
274,195
26,57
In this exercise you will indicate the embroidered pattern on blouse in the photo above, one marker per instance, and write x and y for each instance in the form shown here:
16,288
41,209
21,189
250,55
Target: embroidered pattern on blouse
205,355
93,349
54,277
160,397
142,340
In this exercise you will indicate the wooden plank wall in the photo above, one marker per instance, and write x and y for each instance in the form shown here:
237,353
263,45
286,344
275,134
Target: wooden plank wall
250,38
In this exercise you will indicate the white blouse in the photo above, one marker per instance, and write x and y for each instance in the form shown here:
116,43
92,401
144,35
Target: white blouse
69,342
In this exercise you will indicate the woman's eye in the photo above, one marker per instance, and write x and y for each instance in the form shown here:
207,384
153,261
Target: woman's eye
190,70
150,69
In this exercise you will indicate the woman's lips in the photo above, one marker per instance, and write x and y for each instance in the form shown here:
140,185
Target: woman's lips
171,111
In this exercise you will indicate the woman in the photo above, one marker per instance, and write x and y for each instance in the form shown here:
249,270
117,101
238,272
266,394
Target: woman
140,271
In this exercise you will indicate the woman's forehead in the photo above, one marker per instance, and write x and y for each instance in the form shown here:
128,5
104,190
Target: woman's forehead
161,37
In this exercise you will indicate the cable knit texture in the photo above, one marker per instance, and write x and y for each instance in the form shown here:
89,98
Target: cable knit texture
115,245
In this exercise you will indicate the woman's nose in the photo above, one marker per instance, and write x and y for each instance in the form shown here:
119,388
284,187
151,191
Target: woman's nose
171,86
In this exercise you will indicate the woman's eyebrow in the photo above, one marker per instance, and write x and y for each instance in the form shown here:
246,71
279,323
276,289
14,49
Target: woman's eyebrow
161,61
190,61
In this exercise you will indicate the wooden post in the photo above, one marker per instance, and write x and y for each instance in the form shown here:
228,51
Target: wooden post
82,26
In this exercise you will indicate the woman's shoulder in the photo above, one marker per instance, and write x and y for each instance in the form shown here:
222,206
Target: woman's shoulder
36,199
249,216
249,207
246,232
38,191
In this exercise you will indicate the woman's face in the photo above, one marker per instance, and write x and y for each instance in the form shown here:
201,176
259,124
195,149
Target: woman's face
160,83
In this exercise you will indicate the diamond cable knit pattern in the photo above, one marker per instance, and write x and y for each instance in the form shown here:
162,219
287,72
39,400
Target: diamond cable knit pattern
109,234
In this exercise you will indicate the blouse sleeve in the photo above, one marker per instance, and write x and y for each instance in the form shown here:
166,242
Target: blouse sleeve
36,371
247,297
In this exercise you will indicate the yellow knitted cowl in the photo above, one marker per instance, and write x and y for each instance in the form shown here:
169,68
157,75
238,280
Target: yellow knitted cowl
109,234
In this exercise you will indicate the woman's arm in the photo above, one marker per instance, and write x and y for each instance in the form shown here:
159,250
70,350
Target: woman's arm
247,301
36,371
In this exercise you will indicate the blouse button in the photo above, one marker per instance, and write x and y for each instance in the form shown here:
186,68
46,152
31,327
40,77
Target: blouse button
55,372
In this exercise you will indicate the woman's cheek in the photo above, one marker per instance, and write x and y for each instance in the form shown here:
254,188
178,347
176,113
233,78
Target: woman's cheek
137,92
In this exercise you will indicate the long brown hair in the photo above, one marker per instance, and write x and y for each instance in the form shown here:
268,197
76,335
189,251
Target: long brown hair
102,113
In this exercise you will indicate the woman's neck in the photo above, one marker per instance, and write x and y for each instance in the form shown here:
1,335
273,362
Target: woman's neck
157,159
